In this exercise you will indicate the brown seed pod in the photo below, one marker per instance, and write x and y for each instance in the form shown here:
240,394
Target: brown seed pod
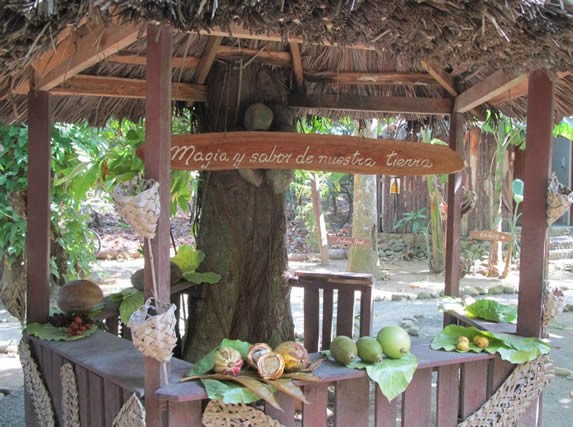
270,366
256,351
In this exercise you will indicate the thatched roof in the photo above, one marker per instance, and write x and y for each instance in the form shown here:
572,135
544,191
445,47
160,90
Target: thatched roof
462,41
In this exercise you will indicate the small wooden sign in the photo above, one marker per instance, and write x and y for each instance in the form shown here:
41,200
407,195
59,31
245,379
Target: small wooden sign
490,235
346,240
289,150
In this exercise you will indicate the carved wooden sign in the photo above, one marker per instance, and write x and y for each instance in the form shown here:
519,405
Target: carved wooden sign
288,150
346,240
490,235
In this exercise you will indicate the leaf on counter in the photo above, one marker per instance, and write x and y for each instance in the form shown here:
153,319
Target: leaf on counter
228,392
493,311
49,332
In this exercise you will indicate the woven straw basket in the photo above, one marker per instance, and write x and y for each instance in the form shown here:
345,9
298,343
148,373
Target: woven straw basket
553,304
219,414
559,199
137,202
153,330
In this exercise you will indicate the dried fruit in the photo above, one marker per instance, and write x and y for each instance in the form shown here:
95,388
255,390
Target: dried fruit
395,341
481,341
256,351
228,361
270,365
369,349
294,355
463,346
343,349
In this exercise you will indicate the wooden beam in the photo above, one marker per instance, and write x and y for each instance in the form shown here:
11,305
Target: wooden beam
385,104
297,66
116,87
519,90
439,75
277,57
38,207
370,78
492,86
534,253
156,166
176,62
207,60
88,46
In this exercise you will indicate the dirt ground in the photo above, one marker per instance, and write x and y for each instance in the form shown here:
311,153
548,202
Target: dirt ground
395,300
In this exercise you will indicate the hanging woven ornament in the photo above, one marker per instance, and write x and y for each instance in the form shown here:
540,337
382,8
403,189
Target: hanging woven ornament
559,200
131,414
137,201
70,397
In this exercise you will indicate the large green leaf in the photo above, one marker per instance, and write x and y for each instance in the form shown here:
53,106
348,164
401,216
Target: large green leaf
196,277
49,332
492,310
228,392
448,339
131,301
391,375
188,258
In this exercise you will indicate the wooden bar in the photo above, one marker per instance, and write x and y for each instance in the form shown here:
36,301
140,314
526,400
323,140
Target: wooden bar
345,313
113,399
96,409
453,225
366,312
288,405
185,413
84,395
500,370
417,400
385,411
38,207
311,303
533,259
56,386
327,311
473,387
156,165
448,390
315,413
352,402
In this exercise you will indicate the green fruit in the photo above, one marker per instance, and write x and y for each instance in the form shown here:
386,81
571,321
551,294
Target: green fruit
395,341
369,349
343,349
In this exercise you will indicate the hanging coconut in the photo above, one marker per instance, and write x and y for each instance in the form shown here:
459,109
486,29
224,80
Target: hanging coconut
258,117
79,296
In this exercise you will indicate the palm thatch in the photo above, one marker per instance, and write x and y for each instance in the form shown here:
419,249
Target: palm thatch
468,39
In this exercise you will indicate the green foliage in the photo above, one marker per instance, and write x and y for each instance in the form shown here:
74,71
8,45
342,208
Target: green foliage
493,311
188,260
564,128
416,220
130,299
49,332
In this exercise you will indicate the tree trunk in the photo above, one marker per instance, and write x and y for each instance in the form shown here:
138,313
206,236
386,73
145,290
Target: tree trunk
242,230
364,259
319,220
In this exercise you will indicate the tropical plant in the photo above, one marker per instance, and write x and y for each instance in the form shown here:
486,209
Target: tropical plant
417,221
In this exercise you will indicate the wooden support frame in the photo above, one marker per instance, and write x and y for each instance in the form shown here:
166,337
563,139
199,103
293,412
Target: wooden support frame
207,60
441,77
297,66
373,79
38,207
157,166
533,260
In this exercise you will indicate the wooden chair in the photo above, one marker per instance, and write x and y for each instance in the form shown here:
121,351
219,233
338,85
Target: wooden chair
345,284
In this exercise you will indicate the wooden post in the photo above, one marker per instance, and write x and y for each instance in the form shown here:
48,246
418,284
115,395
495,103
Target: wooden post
38,208
532,265
453,230
157,166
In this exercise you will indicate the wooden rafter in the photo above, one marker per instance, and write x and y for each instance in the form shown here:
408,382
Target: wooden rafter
177,61
387,104
207,59
297,66
487,89
370,78
116,87
439,75
519,90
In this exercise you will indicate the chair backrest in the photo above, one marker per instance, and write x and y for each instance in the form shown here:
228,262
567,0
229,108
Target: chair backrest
345,284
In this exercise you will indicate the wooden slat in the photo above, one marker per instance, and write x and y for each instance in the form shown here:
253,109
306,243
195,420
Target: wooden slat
533,258
56,386
473,391
385,412
113,398
492,86
96,402
382,104
369,78
366,312
447,395
310,308
176,62
444,79
156,166
38,208
417,400
297,66
314,414
82,381
116,87
184,413
345,313
500,370
288,406
352,402
207,59
327,311
80,51
276,57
